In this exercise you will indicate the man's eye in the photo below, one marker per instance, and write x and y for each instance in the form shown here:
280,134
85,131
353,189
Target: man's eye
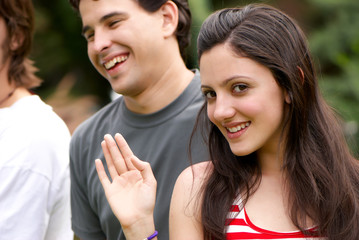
239,88
113,23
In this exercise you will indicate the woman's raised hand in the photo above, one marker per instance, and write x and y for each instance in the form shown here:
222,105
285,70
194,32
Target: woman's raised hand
132,192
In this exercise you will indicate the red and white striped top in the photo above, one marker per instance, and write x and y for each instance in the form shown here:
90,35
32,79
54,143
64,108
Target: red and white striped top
240,227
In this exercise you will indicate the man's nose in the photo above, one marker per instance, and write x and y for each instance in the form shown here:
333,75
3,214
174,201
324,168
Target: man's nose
101,41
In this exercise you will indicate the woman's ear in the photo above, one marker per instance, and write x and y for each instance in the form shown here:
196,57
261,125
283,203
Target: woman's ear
169,12
288,97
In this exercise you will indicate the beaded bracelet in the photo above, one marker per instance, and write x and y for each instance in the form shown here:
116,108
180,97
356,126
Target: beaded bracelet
152,236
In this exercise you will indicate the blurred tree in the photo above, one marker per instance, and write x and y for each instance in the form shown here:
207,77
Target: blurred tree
335,44
200,9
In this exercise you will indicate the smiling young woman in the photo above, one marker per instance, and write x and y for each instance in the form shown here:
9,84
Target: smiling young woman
290,180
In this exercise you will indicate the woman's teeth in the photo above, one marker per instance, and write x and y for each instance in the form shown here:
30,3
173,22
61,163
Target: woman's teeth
238,128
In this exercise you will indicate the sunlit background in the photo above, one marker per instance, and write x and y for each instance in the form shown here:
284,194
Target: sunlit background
75,90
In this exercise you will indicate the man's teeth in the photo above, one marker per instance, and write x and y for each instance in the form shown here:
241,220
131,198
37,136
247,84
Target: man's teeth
113,62
238,128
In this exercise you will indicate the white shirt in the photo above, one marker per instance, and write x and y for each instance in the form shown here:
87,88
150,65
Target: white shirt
34,172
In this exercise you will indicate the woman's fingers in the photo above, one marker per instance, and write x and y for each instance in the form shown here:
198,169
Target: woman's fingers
102,174
145,170
114,154
126,151
133,186
109,161
119,157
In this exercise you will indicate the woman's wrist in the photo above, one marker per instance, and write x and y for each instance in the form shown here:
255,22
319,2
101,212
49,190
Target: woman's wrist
141,229
152,236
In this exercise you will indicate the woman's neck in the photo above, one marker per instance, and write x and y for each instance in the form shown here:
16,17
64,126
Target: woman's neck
270,163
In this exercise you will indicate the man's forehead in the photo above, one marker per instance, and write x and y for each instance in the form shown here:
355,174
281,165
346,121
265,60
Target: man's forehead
91,6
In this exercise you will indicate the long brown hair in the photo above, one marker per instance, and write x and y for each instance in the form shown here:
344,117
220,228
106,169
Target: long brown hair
19,20
323,176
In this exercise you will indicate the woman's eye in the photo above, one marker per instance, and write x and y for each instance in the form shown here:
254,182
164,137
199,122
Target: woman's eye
239,88
209,94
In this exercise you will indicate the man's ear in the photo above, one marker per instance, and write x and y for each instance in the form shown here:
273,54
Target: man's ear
169,12
16,41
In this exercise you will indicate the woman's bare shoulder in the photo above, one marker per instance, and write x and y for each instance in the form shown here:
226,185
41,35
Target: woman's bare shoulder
189,183
195,173
185,210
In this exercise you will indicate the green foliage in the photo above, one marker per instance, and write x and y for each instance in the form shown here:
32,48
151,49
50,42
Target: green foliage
336,46
200,9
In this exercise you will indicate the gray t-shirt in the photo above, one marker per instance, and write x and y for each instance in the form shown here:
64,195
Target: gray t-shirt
161,138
